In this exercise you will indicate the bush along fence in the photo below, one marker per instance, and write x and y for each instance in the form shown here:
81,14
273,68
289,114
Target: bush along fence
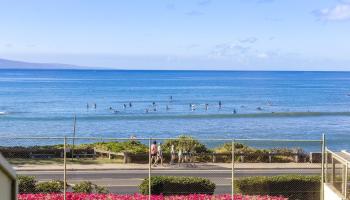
179,154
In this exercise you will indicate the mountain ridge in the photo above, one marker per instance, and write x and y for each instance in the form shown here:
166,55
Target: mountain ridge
14,64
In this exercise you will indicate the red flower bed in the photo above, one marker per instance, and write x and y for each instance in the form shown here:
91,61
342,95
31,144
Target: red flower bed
78,196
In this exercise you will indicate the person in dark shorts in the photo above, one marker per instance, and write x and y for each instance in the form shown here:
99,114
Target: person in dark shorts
154,151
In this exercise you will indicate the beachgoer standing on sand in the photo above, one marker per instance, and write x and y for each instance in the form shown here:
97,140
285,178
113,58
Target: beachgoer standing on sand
154,150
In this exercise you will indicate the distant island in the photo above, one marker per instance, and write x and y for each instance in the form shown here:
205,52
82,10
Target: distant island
12,64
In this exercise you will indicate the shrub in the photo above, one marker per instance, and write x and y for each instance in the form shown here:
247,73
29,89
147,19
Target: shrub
290,186
26,184
54,186
127,146
251,154
170,185
185,143
88,187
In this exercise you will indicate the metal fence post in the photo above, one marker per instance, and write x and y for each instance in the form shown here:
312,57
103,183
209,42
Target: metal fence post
322,165
149,169
233,170
346,181
74,129
65,168
326,166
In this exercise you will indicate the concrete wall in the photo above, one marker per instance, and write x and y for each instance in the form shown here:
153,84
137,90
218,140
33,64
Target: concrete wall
330,193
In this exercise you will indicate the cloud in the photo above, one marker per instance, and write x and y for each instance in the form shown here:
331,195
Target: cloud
170,6
192,46
194,13
31,45
8,45
265,1
250,40
339,12
262,55
203,2
229,49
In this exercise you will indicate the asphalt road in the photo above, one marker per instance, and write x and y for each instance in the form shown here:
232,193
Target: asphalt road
127,181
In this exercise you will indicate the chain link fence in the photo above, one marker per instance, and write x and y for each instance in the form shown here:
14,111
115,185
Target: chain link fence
142,168
32,159
287,168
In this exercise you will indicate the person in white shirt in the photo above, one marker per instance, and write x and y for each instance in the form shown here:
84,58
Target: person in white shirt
173,154
160,154
180,156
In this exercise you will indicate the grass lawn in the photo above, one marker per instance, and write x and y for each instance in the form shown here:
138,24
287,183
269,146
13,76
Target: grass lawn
49,161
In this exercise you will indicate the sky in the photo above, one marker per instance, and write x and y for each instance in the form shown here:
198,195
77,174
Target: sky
179,34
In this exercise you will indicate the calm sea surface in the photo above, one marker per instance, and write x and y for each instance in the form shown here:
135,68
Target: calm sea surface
290,105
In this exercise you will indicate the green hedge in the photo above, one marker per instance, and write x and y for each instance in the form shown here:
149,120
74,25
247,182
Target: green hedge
290,186
26,184
88,187
172,185
53,186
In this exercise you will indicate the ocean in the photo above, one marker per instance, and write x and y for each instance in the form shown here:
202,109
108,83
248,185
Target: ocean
254,104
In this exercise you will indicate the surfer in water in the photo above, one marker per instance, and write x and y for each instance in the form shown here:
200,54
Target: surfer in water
95,106
124,106
167,107
87,106
220,104
234,111
206,106
193,107
130,104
